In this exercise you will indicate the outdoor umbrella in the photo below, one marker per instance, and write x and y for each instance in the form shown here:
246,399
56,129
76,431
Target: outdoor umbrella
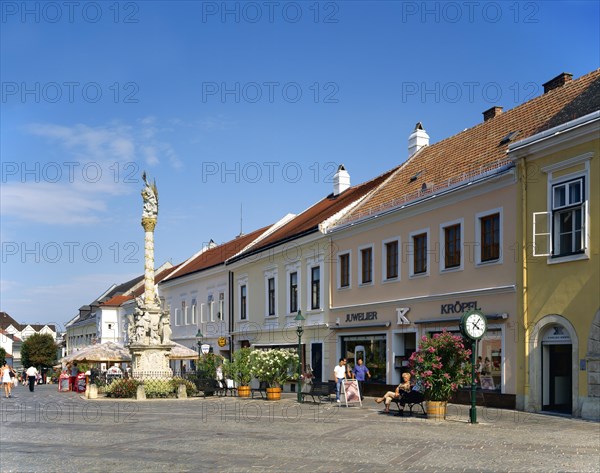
180,352
109,351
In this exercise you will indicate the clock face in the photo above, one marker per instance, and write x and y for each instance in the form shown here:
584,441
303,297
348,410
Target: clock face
475,325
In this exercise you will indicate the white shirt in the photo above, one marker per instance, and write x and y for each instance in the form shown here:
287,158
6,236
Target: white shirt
32,371
339,371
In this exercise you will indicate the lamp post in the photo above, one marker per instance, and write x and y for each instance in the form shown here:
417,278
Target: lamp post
299,330
199,336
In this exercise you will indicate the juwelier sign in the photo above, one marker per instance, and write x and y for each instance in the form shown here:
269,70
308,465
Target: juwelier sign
361,316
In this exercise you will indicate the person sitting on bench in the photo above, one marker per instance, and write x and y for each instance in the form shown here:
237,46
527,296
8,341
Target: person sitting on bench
402,388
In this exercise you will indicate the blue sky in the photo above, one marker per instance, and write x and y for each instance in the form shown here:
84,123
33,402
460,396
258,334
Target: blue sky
230,103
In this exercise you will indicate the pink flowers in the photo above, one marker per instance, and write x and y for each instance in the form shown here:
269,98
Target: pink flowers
442,365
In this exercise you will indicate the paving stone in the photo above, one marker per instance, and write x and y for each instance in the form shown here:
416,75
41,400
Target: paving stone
49,431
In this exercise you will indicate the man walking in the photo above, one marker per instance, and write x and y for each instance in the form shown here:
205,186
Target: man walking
339,372
360,373
32,373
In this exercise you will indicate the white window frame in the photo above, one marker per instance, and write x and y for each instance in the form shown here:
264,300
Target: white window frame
411,254
384,278
478,243
177,316
289,269
370,246
194,307
313,263
242,281
270,274
339,270
221,305
443,226
549,214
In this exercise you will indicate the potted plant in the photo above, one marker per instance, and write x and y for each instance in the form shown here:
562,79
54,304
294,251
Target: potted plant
206,373
440,366
240,371
275,367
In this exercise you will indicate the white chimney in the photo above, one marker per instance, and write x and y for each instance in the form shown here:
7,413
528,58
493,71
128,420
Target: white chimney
417,139
341,180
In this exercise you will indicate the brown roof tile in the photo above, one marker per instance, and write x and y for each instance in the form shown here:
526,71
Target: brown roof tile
309,220
480,148
216,255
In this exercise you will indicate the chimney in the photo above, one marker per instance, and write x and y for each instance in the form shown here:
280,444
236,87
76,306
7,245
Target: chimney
557,82
341,180
491,113
417,139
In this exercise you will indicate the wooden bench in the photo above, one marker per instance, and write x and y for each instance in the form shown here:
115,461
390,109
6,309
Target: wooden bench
207,387
320,391
412,399
262,390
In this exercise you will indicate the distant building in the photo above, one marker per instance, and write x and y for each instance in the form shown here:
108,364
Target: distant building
13,333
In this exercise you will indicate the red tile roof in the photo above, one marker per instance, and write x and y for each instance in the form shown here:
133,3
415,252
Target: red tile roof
308,221
481,148
217,255
116,301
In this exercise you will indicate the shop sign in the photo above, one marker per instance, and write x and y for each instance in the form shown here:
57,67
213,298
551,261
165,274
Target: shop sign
556,335
222,341
459,307
205,349
361,316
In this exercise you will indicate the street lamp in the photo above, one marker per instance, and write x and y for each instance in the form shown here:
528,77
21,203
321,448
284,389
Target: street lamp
199,336
299,330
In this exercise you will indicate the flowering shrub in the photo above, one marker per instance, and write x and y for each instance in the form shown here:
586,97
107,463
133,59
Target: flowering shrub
276,367
158,388
441,365
190,388
122,388
239,368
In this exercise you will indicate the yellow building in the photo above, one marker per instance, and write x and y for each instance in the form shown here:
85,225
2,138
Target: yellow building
559,280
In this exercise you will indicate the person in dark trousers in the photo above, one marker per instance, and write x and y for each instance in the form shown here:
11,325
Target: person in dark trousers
32,373
361,373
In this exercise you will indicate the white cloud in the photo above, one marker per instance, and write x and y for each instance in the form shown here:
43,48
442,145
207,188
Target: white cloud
50,203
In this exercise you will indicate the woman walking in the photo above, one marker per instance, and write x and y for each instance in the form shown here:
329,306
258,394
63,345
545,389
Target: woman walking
7,380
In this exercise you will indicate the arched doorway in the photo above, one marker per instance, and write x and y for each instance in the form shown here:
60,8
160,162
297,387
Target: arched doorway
553,366
557,374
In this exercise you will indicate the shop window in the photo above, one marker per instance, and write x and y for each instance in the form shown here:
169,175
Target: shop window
372,349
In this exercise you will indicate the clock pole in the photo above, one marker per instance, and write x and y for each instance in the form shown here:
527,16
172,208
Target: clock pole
473,410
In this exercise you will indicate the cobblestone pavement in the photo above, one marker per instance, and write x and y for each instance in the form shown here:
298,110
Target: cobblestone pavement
48,431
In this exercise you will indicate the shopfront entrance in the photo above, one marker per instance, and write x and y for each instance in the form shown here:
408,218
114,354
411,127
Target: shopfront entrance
316,361
372,349
557,366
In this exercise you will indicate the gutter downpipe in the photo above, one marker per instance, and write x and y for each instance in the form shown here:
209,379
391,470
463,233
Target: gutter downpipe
527,394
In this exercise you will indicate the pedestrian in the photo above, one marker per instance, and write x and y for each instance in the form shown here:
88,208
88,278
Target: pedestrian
339,373
73,377
360,373
24,377
7,374
32,373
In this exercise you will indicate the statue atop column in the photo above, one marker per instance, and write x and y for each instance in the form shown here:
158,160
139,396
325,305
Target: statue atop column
150,196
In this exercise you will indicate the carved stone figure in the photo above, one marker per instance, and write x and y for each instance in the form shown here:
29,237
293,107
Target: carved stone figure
150,196
165,327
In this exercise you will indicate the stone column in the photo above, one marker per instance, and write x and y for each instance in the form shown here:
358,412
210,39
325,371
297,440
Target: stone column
149,224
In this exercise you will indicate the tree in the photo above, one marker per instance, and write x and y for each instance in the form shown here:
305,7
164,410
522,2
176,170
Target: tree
39,350
2,355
